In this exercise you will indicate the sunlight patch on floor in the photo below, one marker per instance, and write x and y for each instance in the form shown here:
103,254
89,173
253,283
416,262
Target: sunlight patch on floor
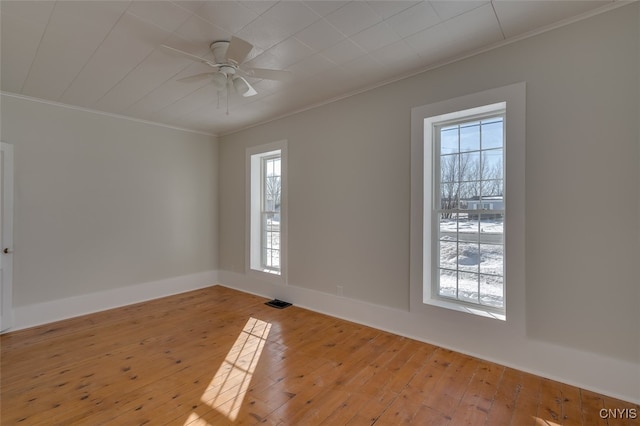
229,385
543,422
195,420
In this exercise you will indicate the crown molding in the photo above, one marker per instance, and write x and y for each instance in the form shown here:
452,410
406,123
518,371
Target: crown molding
106,114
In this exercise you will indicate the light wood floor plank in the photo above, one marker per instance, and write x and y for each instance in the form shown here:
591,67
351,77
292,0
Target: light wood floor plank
502,408
221,357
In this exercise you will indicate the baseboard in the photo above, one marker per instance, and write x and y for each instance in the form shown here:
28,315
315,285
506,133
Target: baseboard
60,309
605,375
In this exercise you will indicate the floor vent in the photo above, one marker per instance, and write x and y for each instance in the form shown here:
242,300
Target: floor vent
275,303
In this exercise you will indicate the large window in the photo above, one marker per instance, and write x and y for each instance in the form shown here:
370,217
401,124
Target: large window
266,166
468,204
468,208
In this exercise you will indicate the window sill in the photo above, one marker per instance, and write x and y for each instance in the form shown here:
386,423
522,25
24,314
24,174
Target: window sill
267,276
473,310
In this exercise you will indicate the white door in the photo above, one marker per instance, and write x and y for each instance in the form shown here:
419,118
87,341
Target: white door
6,235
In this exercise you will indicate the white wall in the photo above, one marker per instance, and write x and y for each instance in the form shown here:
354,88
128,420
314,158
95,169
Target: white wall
105,205
349,202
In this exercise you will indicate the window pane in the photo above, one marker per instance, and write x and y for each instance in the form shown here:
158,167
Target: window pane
492,291
491,259
276,167
470,166
449,195
492,164
448,254
492,189
272,193
492,229
468,230
468,257
468,287
468,191
492,133
273,258
448,226
449,140
448,283
449,168
470,137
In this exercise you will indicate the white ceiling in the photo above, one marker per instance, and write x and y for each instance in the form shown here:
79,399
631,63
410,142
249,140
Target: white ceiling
105,55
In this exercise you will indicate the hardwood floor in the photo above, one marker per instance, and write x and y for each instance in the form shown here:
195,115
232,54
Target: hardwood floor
218,356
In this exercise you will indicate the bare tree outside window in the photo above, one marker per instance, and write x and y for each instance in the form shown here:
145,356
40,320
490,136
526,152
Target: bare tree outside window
273,189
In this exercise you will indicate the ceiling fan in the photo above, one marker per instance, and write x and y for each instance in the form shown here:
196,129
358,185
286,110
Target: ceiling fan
228,72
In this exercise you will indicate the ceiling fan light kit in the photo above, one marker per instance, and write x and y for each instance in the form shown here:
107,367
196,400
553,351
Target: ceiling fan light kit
219,80
243,87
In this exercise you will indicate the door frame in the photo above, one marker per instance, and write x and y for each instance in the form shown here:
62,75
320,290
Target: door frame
6,321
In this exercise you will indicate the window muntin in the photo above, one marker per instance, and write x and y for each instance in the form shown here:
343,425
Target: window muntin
468,210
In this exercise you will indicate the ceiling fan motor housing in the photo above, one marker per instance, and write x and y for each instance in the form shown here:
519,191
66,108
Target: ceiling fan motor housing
227,69
219,49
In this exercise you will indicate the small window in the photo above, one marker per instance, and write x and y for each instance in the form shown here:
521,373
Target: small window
267,210
271,194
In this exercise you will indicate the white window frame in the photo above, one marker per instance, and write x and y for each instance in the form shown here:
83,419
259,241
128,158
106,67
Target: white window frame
255,157
433,203
422,195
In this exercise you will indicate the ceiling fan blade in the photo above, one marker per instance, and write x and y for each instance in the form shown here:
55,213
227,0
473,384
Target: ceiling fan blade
189,55
268,74
238,50
196,77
